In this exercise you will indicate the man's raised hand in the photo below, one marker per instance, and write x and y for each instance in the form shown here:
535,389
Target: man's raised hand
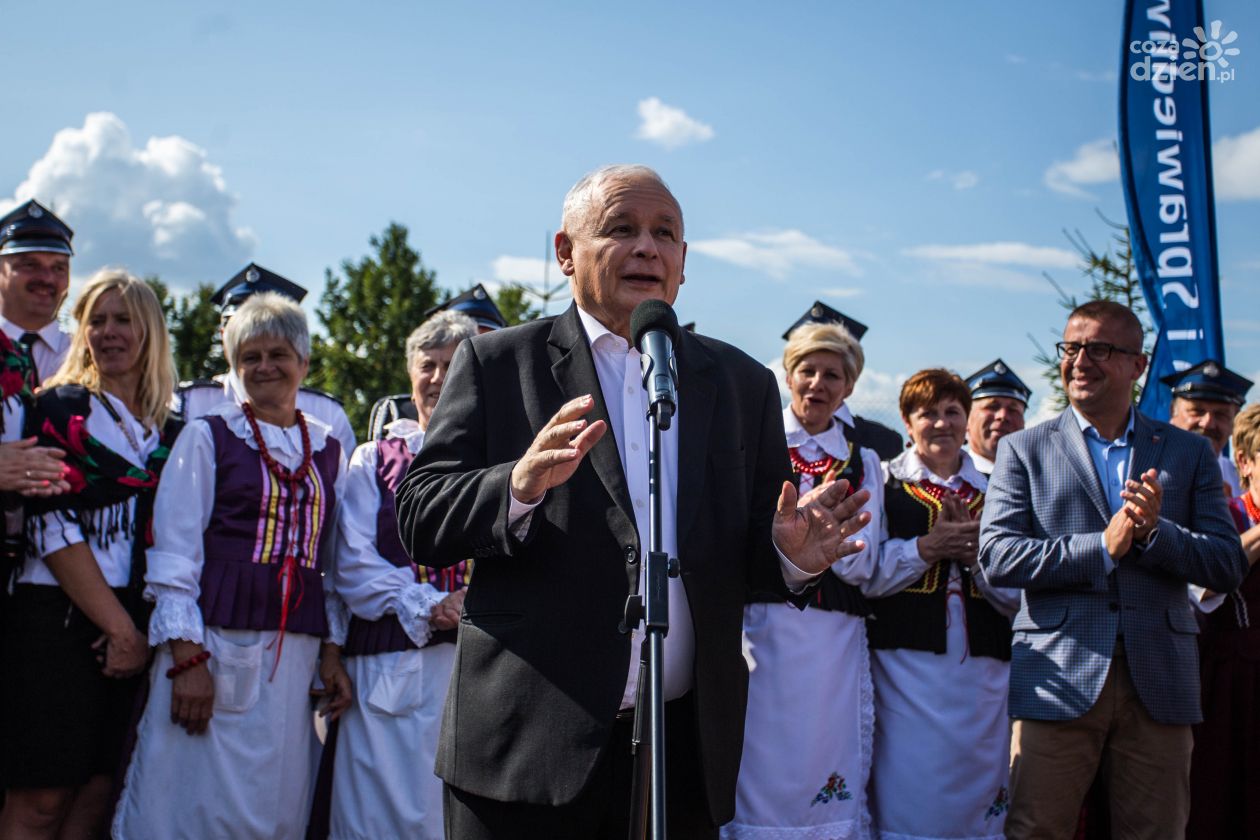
556,451
814,531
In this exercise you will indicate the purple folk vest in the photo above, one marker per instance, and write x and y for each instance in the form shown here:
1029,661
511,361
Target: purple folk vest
255,526
386,634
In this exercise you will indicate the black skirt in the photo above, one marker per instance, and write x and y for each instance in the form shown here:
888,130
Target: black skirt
61,720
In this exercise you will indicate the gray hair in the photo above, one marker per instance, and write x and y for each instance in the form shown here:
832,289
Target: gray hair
581,194
267,315
446,327
830,338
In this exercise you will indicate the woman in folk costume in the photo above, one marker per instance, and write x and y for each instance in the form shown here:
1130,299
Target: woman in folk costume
242,528
807,737
74,636
1225,767
940,636
401,644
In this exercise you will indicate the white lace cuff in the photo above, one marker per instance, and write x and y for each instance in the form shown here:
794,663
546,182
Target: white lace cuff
338,615
415,604
175,616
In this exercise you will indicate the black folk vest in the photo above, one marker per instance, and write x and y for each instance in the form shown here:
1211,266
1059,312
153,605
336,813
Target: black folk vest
916,617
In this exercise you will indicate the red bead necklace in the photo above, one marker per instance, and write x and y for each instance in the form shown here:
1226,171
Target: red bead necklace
290,477
1253,511
800,465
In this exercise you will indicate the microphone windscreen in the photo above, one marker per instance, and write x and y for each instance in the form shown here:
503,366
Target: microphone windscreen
653,315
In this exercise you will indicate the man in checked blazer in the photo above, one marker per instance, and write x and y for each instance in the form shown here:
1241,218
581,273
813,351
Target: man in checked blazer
1102,516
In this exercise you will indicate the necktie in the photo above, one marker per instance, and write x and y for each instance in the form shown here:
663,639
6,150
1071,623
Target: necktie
28,340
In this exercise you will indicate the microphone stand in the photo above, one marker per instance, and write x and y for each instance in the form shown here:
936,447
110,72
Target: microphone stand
648,795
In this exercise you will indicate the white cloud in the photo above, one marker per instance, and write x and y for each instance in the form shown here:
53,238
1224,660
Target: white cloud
1099,76
519,270
963,180
998,253
668,126
1094,163
158,209
841,291
1013,58
1236,165
777,253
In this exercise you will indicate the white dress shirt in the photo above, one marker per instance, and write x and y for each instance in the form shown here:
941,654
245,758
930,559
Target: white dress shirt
620,380
370,585
58,530
49,351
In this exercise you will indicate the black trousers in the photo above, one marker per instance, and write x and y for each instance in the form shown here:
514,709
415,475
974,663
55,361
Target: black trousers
602,810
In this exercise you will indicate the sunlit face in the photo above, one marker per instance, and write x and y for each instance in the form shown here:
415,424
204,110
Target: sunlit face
1211,418
33,286
993,418
428,372
625,248
1094,386
818,385
937,431
113,339
271,371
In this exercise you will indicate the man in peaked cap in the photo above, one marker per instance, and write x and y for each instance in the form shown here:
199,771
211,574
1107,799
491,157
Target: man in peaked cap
34,277
884,441
198,397
998,401
1206,399
477,304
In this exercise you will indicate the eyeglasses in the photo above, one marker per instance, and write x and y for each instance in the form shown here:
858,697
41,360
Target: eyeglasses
1098,351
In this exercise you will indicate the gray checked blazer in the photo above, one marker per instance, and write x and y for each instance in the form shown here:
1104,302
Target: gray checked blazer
1041,532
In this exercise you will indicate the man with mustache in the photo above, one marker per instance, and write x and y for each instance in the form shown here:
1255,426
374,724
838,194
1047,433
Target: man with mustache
535,465
1102,516
1206,399
998,401
34,278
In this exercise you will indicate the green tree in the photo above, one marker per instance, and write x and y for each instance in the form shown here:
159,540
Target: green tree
193,322
366,316
513,304
1112,276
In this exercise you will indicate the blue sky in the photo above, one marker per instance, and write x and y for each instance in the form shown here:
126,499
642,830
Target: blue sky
912,163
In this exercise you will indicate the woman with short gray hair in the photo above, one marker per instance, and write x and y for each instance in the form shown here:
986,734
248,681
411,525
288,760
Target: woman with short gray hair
241,537
400,647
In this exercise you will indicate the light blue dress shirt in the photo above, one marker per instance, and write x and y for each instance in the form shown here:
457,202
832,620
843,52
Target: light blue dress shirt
1111,463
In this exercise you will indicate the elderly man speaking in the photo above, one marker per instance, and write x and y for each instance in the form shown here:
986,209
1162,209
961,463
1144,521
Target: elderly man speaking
535,466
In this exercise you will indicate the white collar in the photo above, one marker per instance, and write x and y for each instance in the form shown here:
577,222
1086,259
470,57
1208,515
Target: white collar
51,333
277,438
845,416
831,440
407,429
908,466
595,331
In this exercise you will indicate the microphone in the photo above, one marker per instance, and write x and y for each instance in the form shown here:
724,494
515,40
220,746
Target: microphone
654,328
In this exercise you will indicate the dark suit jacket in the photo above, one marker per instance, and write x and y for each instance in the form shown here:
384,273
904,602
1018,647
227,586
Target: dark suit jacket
540,664
1041,531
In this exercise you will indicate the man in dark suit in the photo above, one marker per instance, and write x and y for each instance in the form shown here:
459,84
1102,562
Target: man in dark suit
535,466
1102,516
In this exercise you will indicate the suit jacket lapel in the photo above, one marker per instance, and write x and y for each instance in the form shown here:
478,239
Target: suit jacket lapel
696,398
1071,442
1148,443
574,370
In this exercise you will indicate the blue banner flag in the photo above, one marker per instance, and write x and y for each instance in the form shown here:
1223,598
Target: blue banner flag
1170,58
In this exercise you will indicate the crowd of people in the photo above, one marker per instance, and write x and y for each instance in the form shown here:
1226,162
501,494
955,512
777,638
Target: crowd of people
223,618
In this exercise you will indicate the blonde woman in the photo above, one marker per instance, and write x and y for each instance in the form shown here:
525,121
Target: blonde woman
74,636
